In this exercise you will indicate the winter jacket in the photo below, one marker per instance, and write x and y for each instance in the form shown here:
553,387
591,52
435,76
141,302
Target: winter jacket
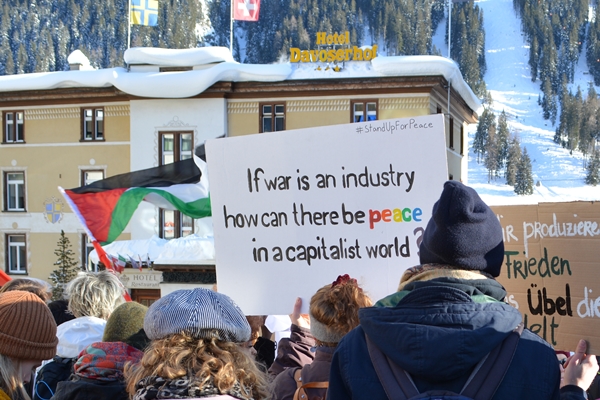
77,334
284,386
73,337
98,373
293,352
437,333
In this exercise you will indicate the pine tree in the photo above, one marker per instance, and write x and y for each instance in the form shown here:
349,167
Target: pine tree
593,170
502,138
487,120
491,154
67,267
524,177
512,161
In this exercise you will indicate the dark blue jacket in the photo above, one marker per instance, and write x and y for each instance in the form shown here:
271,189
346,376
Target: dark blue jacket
438,335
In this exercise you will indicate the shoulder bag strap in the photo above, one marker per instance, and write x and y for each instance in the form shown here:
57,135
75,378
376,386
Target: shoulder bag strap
395,381
488,374
300,393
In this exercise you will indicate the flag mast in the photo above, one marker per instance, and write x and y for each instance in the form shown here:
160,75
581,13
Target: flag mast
231,30
128,23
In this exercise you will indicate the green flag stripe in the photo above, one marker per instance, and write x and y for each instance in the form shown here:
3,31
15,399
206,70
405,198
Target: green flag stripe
131,199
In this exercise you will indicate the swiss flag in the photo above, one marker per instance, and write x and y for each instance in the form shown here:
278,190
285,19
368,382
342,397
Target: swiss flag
246,10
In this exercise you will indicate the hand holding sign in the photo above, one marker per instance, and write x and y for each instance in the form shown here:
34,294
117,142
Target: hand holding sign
580,368
301,320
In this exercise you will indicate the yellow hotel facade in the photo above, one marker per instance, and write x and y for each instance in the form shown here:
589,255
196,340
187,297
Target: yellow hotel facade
71,128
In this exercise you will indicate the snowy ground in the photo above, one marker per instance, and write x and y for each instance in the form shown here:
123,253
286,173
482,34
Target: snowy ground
560,174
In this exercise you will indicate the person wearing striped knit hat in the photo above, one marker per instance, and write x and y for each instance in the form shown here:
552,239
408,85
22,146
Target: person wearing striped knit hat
27,336
196,351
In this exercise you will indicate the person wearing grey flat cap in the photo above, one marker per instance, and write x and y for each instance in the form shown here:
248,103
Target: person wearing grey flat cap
195,351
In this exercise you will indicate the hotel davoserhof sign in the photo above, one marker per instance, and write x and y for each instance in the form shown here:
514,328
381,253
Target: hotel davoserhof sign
333,48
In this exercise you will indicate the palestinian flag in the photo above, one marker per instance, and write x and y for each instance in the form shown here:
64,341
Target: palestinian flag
106,206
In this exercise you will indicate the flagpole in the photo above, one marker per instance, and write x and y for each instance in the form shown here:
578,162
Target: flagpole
231,30
128,23
449,25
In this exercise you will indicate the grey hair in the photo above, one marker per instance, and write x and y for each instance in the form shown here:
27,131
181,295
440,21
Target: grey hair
95,295
10,378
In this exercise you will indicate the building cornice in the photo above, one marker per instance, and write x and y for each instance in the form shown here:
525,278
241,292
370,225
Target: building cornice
435,86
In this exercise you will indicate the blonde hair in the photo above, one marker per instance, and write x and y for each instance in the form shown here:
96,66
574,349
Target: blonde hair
180,355
336,305
10,378
95,295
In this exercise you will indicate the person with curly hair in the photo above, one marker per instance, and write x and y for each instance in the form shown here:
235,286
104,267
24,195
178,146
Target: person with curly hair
333,312
196,351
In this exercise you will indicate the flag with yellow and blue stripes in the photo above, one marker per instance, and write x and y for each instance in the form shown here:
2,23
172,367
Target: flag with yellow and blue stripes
144,12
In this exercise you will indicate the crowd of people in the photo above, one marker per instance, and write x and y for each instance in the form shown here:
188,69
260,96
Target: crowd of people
447,331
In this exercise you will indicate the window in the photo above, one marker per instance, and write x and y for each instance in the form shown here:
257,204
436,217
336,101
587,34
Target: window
364,110
91,176
145,296
272,117
175,146
462,145
86,249
16,255
438,110
451,144
14,189
174,224
14,128
93,124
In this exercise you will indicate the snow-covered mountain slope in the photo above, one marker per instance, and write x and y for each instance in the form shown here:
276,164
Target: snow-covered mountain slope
560,174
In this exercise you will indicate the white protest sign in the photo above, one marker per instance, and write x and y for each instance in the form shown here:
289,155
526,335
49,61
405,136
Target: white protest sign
292,210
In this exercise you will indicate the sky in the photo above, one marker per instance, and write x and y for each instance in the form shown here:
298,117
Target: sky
560,175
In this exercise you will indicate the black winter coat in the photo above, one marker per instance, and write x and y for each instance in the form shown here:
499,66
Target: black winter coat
79,388
438,334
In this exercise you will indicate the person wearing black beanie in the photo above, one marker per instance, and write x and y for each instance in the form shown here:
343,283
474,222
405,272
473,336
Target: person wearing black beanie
449,319
463,231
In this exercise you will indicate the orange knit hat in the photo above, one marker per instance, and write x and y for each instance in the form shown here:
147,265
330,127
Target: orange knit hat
27,328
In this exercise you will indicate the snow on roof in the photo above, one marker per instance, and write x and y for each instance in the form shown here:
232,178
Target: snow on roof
396,66
77,57
220,66
177,57
190,250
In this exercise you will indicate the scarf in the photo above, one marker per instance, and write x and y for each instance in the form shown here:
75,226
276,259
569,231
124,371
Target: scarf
104,361
478,284
155,387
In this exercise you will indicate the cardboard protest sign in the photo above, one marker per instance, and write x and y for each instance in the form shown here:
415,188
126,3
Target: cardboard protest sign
551,270
293,210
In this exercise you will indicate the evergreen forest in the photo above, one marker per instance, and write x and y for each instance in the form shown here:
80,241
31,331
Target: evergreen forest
39,35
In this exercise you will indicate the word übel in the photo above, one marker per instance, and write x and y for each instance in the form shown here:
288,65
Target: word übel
545,304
